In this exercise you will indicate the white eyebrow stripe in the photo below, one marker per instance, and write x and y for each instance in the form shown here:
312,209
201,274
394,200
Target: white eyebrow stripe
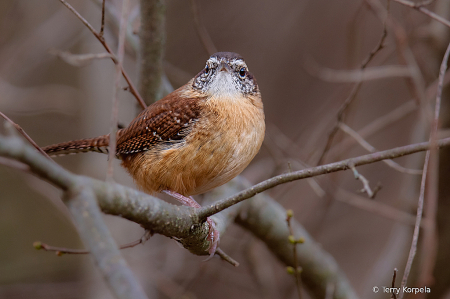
234,61
239,62
213,60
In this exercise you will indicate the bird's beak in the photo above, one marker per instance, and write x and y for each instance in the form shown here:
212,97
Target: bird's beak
224,67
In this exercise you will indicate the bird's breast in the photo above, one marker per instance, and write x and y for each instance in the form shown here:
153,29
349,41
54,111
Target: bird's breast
218,147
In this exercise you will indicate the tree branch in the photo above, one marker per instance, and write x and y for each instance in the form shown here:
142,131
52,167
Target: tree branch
152,37
95,235
105,45
315,171
432,150
420,7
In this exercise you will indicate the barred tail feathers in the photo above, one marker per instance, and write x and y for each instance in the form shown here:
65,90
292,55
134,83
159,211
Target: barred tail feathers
98,144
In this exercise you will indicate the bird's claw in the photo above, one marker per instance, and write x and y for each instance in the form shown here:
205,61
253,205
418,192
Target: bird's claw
213,238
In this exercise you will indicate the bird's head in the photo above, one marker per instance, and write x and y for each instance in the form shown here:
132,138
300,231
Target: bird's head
226,75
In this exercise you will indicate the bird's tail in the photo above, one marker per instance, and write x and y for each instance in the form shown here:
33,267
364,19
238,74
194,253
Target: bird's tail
98,144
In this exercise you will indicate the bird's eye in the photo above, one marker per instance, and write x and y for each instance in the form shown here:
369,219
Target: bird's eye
206,69
242,72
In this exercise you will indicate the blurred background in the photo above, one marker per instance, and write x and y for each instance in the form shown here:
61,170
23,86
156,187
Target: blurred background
294,49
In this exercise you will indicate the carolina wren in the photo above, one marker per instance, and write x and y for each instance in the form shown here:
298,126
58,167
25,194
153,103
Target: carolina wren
196,138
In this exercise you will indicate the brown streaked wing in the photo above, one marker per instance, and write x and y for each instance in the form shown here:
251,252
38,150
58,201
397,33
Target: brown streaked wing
163,121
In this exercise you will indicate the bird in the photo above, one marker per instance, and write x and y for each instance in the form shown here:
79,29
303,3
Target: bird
198,137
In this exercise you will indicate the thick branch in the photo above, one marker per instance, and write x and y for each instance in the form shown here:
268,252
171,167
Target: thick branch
150,212
152,37
15,148
153,214
97,238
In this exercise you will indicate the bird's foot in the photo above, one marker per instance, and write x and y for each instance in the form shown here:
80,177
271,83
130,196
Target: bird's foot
213,235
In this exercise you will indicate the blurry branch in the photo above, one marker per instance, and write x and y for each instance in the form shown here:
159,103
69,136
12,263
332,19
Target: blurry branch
375,126
420,7
375,207
152,39
266,219
205,38
24,134
79,59
115,99
315,171
387,119
94,233
413,249
352,96
367,74
429,241
405,54
14,164
105,45
432,150
371,149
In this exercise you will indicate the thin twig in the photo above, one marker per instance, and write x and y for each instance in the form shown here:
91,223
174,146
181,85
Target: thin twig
201,30
429,240
433,147
102,27
365,182
113,17
297,270
226,257
62,250
14,164
413,249
315,171
24,134
393,295
419,7
371,149
352,95
100,38
115,99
